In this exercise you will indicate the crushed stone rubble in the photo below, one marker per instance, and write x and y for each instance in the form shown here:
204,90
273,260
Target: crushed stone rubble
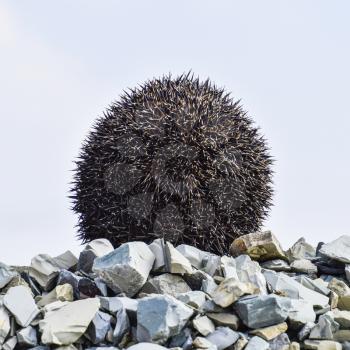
159,296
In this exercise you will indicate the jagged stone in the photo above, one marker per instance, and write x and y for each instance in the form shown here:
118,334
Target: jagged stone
260,246
94,249
301,313
175,262
317,285
338,249
122,327
10,343
271,332
306,330
62,292
277,265
263,310
146,346
294,290
98,327
158,249
115,304
203,325
183,340
209,285
342,335
203,343
257,343
228,267
324,328
194,298
27,337
303,266
301,250
230,290
342,317
225,319
166,284
126,268
347,272
160,317
241,343
19,301
249,271
65,325
223,337
6,275
280,342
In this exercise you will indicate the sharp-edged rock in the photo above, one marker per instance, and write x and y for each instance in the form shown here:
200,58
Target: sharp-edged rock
225,319
195,298
27,337
6,275
126,268
271,332
203,325
324,328
175,262
5,326
301,250
223,337
322,345
338,249
257,343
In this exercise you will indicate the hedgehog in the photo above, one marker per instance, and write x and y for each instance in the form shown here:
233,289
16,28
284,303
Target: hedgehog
175,158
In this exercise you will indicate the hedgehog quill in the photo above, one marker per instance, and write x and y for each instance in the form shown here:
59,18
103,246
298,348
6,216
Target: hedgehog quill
175,158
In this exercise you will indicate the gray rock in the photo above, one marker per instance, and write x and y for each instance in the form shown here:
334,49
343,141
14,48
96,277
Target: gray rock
183,340
160,317
194,298
6,275
322,345
342,317
257,343
249,271
4,324
203,343
166,284
301,312
225,319
324,328
301,250
122,327
294,290
279,342
65,325
19,301
338,249
209,285
66,260
277,265
263,310
175,262
193,254
98,327
10,344
223,337
211,264
303,266
94,249
158,249
115,304
306,330
228,267
27,337
126,268
317,285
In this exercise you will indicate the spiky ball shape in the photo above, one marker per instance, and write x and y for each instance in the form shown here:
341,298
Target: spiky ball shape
175,158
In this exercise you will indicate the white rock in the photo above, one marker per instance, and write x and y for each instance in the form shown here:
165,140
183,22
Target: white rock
294,290
324,328
228,267
338,249
250,271
193,254
10,344
160,317
257,343
223,337
202,343
126,268
158,249
19,301
203,325
4,324
175,261
301,250
304,266
94,249
67,324
146,346
301,313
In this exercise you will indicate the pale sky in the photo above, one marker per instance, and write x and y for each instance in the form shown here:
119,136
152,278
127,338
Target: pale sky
62,63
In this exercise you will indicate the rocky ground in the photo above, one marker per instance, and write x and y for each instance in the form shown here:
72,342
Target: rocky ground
158,296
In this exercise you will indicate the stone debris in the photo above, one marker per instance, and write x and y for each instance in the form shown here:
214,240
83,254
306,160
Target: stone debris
160,296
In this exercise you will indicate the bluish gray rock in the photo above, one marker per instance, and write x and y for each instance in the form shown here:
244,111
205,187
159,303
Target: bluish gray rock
4,324
306,330
258,311
160,317
257,343
279,342
277,265
324,328
98,327
27,337
338,249
223,337
122,327
126,268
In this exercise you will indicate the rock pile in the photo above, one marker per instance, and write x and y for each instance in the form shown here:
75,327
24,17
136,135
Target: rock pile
157,296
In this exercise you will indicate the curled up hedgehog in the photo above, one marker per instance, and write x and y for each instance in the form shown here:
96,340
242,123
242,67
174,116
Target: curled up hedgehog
175,158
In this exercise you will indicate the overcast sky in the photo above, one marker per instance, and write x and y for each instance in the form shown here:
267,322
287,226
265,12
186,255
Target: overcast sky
63,62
